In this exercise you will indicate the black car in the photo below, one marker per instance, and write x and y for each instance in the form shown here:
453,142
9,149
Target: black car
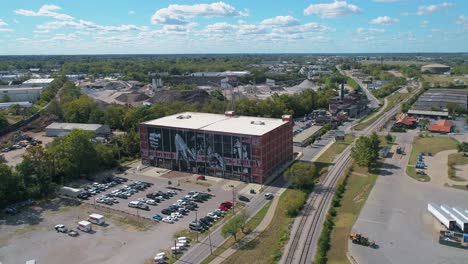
243,198
196,226
166,211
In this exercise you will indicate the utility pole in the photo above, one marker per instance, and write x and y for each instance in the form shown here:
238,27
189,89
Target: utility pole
196,221
233,199
211,246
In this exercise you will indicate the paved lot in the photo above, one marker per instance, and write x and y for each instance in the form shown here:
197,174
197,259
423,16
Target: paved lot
395,216
119,242
437,169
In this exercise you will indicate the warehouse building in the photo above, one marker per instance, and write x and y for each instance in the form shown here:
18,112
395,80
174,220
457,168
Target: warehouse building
244,148
20,94
440,98
302,139
39,82
435,68
63,129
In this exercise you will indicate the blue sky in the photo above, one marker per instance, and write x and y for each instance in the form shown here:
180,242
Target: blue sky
232,26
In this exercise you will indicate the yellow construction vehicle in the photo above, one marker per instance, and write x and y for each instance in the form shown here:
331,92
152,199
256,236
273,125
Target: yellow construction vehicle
359,239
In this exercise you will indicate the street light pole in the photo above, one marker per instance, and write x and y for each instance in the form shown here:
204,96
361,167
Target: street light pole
211,246
196,221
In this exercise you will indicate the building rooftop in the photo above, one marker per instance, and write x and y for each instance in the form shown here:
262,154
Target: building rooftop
444,126
6,88
246,125
432,113
436,65
38,81
407,120
299,138
70,126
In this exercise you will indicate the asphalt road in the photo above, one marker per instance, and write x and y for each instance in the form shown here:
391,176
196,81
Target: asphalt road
200,251
373,101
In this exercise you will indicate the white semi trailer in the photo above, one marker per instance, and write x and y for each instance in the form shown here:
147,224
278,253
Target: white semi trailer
445,218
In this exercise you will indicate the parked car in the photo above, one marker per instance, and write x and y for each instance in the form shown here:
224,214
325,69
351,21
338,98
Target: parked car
268,196
133,204
61,228
73,233
244,198
157,217
151,202
168,220
166,211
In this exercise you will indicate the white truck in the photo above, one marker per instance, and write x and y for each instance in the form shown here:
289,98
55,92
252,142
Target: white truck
84,226
69,191
96,219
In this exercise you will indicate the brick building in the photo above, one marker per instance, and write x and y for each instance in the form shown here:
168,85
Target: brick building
227,146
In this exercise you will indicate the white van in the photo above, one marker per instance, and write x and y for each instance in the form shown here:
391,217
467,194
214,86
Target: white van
96,219
134,204
84,226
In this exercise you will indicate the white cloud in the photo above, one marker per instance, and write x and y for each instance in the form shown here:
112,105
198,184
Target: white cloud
462,20
424,23
179,14
280,21
221,27
427,10
436,30
47,11
337,8
369,30
4,26
384,20
15,21
131,12
305,28
89,25
386,1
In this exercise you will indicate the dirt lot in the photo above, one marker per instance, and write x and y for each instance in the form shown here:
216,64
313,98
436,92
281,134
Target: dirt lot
14,157
126,239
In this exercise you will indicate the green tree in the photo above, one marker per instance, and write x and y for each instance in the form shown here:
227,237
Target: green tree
463,147
301,175
3,120
388,138
79,110
232,227
366,150
114,116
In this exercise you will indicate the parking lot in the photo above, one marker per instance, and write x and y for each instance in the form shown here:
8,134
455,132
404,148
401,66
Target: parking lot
125,239
15,156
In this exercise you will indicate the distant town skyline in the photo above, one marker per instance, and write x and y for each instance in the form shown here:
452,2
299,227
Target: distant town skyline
178,27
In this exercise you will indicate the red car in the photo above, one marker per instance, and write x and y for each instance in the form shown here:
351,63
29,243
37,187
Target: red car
201,178
224,208
228,204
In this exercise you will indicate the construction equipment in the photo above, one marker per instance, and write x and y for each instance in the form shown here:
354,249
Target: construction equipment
359,239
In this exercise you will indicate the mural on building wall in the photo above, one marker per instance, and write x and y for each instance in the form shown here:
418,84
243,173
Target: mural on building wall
203,150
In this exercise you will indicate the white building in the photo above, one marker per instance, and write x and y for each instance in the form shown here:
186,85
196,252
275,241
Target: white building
63,129
39,82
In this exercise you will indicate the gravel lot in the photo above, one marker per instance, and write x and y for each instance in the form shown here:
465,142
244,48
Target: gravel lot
15,157
126,239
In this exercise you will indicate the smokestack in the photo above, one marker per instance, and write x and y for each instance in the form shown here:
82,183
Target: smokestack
154,84
342,91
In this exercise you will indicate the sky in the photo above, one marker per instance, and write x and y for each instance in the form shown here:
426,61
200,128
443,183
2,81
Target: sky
232,26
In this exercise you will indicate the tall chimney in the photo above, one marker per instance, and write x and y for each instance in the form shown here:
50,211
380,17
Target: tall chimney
342,91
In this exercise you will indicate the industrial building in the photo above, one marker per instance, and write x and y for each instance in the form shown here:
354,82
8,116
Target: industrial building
20,94
440,98
435,68
302,138
353,104
245,148
63,129
428,114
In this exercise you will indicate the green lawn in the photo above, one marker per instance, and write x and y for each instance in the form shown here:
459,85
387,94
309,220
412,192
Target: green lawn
266,248
427,144
443,80
456,159
357,191
336,148
251,225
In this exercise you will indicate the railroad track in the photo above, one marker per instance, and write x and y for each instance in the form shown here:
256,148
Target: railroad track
322,197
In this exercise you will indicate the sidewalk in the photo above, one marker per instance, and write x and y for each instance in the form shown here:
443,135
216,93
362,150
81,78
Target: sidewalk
251,236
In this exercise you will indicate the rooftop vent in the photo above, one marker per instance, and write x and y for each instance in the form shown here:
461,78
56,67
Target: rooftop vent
184,116
258,122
